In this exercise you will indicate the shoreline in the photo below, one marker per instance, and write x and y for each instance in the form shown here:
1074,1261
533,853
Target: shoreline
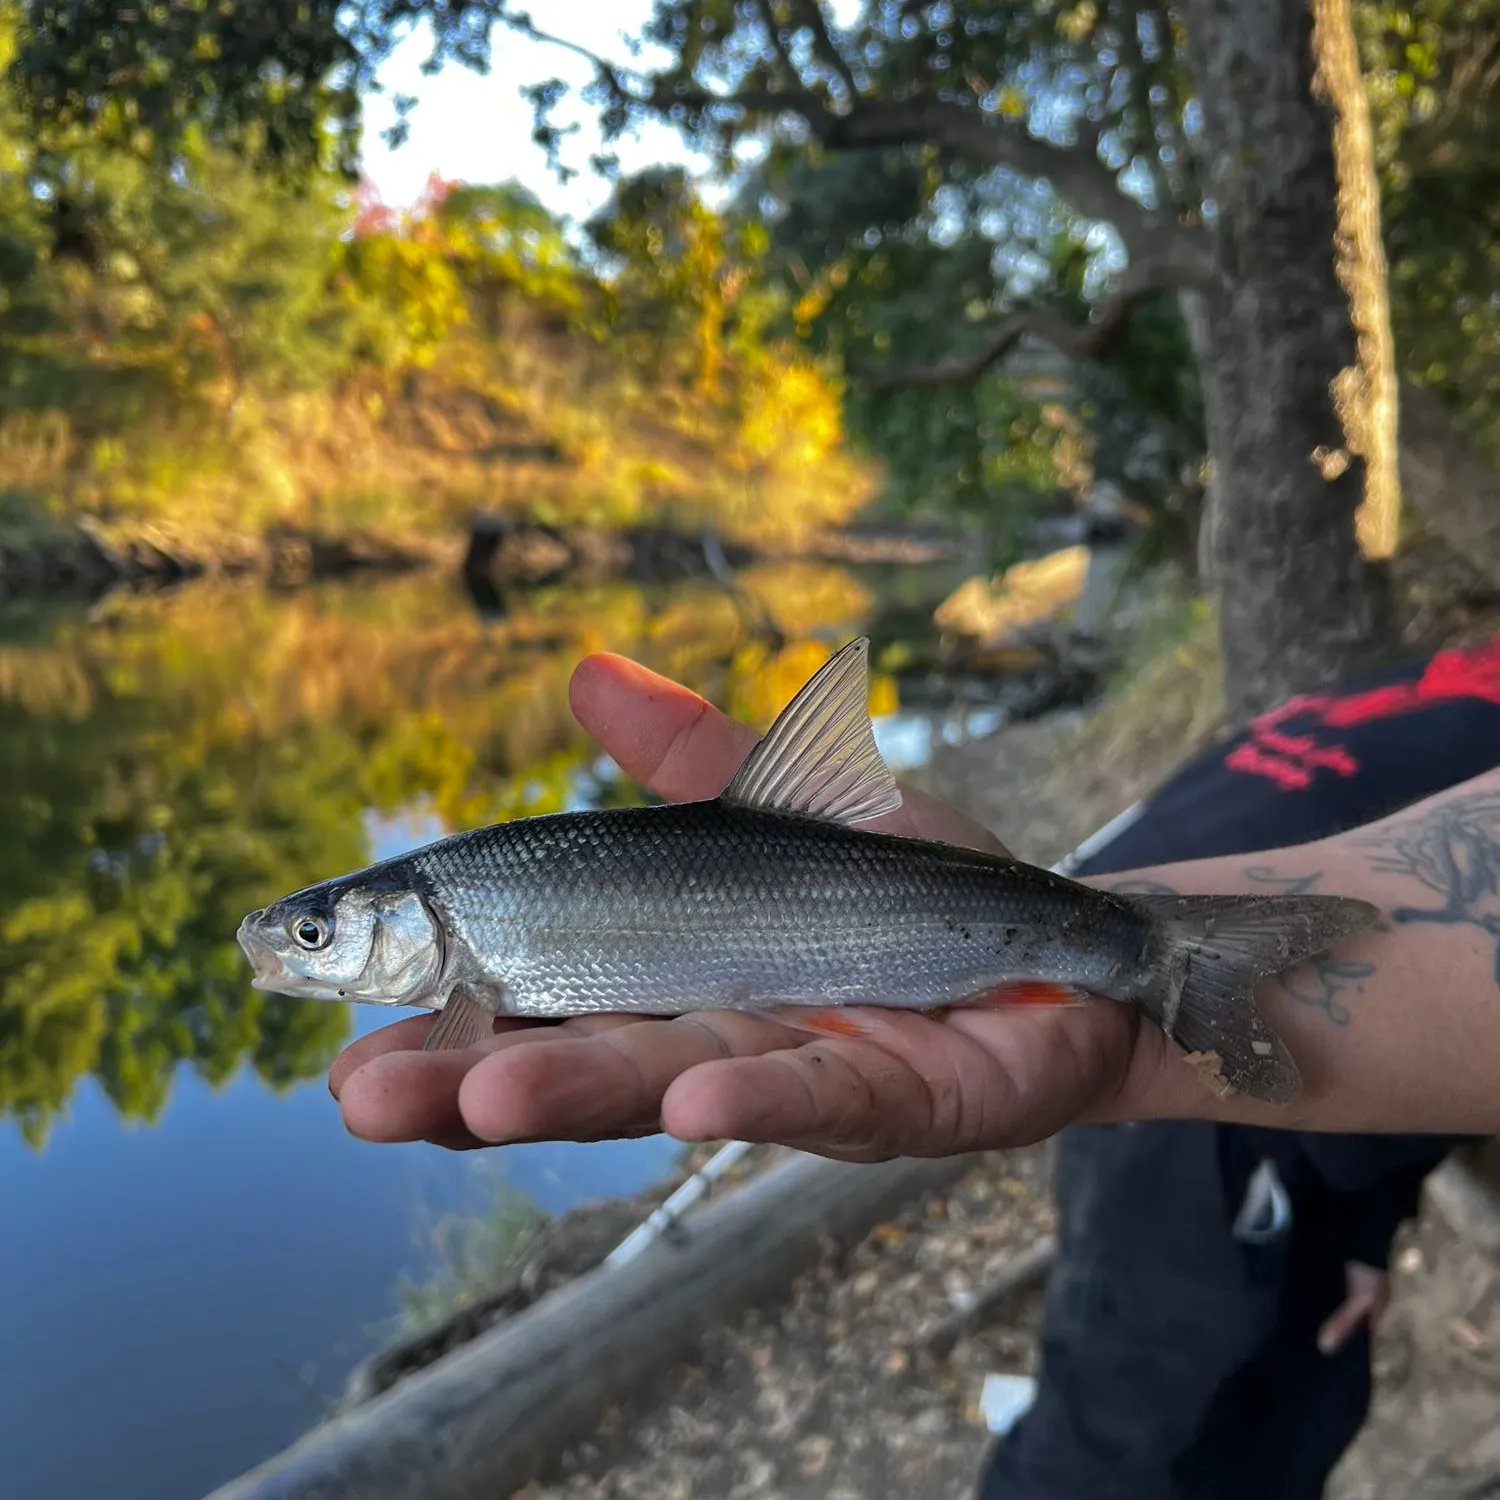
836,1390
86,558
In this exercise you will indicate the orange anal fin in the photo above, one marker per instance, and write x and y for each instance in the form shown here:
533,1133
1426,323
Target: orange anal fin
1038,993
828,1021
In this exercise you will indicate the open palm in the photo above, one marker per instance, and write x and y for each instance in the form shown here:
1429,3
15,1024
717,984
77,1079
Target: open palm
897,1084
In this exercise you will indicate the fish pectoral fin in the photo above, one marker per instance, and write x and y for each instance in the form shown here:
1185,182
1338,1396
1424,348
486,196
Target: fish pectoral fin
820,758
461,1023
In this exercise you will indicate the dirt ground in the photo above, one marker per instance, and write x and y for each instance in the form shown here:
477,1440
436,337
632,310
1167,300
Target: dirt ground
835,1394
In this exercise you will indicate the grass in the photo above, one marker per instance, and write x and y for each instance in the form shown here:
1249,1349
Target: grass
555,426
474,1253
28,527
1163,703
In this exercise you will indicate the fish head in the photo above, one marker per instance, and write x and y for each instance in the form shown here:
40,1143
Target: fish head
345,941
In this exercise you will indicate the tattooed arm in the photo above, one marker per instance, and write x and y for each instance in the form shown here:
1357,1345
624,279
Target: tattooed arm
1397,1029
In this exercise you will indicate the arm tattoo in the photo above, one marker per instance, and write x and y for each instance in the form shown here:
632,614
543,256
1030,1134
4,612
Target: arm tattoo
1320,981
1454,851
1288,885
1142,888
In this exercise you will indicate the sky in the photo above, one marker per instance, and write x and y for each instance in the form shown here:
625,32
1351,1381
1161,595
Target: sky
478,127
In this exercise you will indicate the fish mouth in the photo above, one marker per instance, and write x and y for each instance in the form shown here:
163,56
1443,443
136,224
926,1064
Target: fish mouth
264,959
252,944
271,974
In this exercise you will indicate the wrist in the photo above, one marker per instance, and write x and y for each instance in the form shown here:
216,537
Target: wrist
1155,1083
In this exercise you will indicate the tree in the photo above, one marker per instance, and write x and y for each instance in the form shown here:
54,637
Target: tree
1431,74
1185,152
1196,139
1297,601
1369,395
279,76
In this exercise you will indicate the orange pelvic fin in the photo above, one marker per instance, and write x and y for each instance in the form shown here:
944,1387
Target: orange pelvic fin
830,1021
1039,993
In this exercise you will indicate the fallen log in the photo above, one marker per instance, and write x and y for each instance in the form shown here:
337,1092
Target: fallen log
1017,1275
485,1420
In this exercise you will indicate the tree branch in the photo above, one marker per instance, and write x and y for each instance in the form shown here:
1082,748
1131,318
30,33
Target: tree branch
809,13
1076,172
767,14
1089,340
520,21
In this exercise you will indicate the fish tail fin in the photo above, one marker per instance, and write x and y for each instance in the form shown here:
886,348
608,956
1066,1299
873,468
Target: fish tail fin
1214,951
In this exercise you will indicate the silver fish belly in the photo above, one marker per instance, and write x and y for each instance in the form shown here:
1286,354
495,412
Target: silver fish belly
703,905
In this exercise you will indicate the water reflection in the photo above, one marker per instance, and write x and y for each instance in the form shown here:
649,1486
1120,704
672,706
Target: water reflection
169,762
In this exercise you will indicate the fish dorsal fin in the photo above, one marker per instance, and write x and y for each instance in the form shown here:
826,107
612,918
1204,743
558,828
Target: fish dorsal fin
819,758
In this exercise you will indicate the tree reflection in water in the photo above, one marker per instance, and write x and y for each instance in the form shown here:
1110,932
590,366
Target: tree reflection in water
169,762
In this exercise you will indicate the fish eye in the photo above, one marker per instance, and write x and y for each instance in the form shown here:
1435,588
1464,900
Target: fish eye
311,932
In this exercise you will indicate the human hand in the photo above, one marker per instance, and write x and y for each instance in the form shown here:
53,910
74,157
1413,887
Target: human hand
891,1083
1367,1298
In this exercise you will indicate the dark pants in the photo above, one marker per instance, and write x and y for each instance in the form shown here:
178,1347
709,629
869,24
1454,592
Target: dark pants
1178,1360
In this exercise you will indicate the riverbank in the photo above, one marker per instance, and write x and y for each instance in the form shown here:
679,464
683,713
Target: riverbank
42,555
835,1394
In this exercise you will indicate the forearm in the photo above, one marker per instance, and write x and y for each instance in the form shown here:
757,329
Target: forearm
1398,1029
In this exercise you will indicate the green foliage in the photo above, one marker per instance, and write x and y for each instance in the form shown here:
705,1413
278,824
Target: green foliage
883,257
914,251
475,1251
1430,73
910,255
217,349
174,762
274,76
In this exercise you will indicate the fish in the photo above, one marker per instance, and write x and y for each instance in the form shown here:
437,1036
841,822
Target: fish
773,896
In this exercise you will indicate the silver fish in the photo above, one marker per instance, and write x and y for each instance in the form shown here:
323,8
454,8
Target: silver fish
770,895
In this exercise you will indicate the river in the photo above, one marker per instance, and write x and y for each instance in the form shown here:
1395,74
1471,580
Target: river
194,1251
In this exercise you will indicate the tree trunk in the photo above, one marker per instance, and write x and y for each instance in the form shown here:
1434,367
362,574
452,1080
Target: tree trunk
1369,388
1298,605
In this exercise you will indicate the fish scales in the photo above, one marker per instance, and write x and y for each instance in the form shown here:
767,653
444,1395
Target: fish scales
772,895
662,909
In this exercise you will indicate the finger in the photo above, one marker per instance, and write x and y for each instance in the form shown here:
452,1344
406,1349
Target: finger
1353,1311
1335,1332
408,1096
582,1087
662,734
409,1035
417,1098
400,1036
1373,1286
681,747
908,1086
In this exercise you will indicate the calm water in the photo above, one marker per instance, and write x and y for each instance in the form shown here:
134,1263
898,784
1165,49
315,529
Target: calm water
193,1252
